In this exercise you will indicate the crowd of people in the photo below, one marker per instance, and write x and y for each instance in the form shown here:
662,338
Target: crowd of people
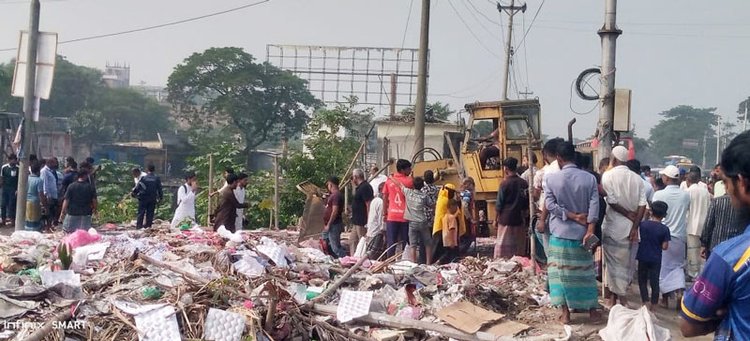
53,197
620,224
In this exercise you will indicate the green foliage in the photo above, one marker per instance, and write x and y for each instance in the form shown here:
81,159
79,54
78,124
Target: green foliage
74,87
8,102
258,194
91,127
685,122
440,111
99,114
260,101
114,183
65,255
133,115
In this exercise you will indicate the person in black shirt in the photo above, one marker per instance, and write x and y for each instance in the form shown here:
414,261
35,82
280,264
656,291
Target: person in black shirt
149,193
9,179
79,204
363,195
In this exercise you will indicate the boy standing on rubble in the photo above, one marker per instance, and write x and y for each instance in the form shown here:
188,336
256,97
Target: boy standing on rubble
450,232
420,232
334,225
79,204
374,226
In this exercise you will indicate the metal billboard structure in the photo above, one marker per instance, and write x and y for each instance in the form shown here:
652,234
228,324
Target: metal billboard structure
381,77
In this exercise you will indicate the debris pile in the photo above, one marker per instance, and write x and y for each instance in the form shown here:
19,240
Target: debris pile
162,284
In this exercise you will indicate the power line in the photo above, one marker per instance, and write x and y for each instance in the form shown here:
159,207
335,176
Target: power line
523,40
147,28
471,31
526,55
630,23
477,19
482,13
406,29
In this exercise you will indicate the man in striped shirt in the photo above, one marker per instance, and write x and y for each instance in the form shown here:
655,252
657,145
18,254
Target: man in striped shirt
723,222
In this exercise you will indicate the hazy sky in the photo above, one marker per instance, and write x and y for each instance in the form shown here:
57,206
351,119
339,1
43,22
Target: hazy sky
672,51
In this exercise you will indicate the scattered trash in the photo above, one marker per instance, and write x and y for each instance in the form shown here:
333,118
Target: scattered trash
628,324
174,284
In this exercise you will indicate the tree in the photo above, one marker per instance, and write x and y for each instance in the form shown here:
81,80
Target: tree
226,85
682,131
8,102
91,127
440,111
133,115
72,89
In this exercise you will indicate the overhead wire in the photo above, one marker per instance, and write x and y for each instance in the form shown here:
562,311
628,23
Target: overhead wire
493,35
523,40
153,27
471,3
525,56
471,31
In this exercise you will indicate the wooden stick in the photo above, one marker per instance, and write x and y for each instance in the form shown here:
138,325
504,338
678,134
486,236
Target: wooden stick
119,316
270,315
46,329
188,275
331,289
389,321
349,335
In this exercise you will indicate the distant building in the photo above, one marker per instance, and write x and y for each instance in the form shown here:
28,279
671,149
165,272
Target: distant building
168,153
116,75
159,93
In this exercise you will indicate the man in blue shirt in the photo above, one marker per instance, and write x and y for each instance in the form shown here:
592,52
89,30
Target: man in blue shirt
672,276
719,299
572,199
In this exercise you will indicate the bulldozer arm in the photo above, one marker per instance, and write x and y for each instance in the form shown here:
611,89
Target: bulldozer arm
311,224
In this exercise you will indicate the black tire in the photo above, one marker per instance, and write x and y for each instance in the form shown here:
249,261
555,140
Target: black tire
579,83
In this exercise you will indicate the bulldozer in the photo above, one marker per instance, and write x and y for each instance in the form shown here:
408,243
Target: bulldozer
519,125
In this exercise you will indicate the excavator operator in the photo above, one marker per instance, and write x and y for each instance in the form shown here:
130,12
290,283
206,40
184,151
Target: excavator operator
492,150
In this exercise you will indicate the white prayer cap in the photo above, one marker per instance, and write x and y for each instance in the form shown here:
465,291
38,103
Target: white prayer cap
620,153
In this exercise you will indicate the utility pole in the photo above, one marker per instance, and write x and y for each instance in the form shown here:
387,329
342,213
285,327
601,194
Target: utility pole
747,108
718,141
705,137
608,33
511,11
28,113
420,107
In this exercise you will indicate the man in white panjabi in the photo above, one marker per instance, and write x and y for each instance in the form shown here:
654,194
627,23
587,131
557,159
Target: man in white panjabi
626,205
186,201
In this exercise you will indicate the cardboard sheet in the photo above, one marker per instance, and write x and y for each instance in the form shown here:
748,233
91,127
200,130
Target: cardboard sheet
507,328
467,317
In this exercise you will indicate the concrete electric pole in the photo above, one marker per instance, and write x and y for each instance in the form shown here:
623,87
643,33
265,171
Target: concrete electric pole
747,108
511,11
28,113
420,107
608,33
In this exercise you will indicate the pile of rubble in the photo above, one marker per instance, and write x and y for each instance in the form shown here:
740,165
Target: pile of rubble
162,284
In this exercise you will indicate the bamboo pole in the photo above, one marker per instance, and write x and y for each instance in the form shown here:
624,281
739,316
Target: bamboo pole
210,187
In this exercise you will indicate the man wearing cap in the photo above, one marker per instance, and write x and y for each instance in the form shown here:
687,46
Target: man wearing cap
626,205
672,276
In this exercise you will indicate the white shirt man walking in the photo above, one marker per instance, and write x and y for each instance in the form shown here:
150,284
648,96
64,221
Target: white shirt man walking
700,200
626,205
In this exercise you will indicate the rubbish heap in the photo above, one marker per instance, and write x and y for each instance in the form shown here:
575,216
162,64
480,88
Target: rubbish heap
193,284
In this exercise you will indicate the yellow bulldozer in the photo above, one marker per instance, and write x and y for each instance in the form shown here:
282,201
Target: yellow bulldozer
519,125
